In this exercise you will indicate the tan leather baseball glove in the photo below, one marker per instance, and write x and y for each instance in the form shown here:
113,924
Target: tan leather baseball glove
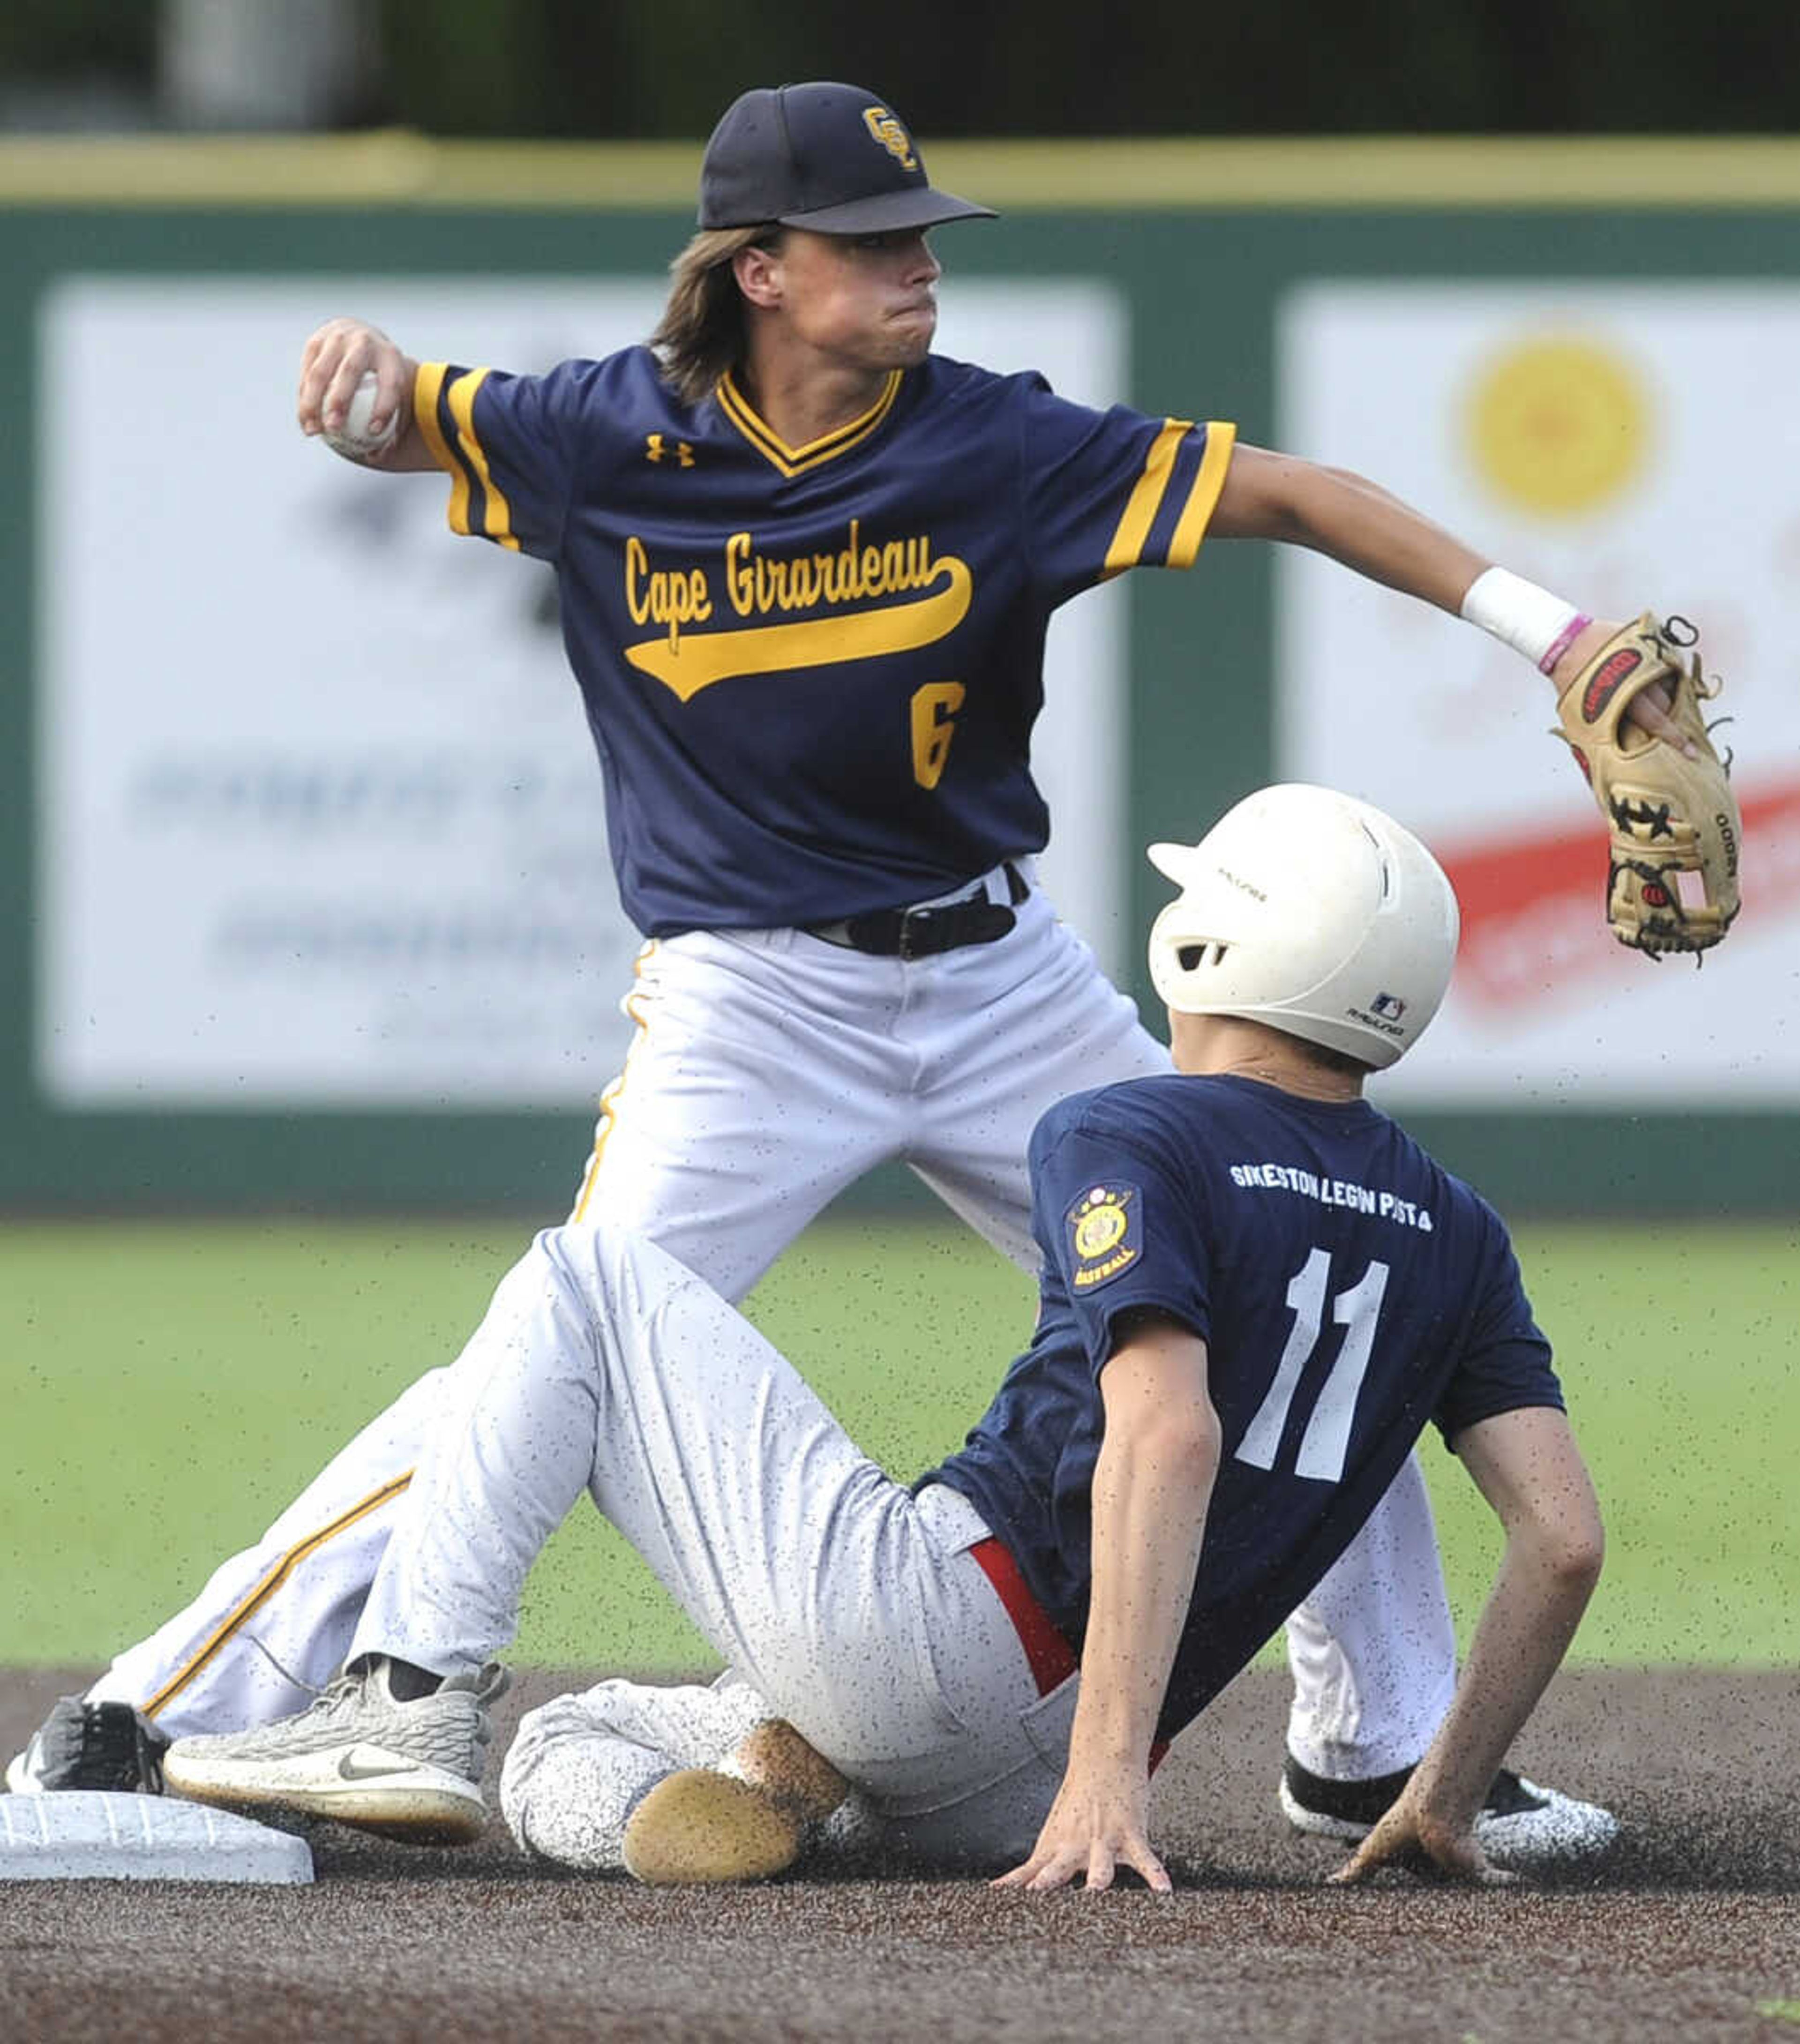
1671,819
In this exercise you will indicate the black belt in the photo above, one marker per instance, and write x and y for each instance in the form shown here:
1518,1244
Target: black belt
940,926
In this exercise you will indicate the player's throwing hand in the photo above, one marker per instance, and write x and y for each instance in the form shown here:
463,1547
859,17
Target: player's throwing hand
338,358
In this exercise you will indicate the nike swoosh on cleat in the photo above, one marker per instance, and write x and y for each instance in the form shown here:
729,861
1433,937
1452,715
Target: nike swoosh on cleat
351,1769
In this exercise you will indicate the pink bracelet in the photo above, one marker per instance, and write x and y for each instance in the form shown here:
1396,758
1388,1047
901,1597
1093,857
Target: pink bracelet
1564,639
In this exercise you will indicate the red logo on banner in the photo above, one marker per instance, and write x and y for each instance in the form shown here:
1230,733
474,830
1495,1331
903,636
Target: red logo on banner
1534,907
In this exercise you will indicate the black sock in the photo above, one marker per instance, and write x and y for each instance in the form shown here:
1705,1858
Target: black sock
406,1682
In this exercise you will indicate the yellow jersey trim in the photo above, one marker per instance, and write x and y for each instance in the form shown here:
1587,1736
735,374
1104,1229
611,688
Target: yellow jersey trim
464,462
248,1607
427,387
1126,547
796,461
497,519
1202,500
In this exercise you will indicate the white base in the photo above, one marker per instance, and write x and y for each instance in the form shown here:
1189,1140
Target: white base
89,1834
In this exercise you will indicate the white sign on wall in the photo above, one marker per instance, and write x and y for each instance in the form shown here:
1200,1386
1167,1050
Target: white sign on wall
1631,446
319,820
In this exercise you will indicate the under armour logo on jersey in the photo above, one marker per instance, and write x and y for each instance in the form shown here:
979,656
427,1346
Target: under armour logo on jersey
657,448
1105,1235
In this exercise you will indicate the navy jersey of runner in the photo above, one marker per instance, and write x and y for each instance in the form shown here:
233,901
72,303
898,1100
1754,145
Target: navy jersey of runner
1349,1291
811,673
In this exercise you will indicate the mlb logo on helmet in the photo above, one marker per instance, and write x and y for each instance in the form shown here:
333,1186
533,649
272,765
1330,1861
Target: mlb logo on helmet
1388,1005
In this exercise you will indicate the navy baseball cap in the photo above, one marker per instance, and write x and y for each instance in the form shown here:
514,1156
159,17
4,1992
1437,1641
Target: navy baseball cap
832,158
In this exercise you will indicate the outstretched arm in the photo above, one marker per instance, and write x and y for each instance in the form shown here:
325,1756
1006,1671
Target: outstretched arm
1530,1470
1272,496
1153,1483
332,363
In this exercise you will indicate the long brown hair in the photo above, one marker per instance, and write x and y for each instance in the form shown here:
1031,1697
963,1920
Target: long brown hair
701,334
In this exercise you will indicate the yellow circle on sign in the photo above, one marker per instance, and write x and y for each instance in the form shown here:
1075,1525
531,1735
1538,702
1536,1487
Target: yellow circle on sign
1559,426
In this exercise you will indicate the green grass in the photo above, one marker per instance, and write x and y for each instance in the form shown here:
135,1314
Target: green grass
1678,1347
166,1387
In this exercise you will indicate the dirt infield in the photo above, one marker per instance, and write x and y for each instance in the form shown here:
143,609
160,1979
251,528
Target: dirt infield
1690,1929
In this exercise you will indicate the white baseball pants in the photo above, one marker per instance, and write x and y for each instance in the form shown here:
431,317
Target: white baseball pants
847,1605
770,1070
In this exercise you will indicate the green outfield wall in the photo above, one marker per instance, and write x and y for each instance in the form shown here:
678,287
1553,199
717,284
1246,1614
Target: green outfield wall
1206,243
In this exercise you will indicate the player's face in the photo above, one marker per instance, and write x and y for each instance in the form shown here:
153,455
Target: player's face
868,300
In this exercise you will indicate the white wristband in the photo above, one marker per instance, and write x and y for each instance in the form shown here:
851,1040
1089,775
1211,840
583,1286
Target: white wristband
1520,614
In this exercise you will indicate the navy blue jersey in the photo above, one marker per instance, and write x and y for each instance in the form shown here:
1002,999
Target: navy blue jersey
811,673
1349,1291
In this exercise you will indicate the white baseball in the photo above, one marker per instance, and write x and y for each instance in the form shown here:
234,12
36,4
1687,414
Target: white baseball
353,438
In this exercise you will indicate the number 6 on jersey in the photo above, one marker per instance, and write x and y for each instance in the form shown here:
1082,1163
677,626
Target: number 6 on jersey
934,711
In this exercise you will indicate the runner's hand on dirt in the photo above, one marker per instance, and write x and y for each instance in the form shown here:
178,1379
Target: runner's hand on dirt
1096,1825
1423,1843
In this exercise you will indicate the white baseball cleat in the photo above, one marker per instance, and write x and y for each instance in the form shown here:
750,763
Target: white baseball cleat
1521,1827
407,1769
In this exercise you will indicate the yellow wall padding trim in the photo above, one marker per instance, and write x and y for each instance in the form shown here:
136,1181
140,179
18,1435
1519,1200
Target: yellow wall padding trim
1401,173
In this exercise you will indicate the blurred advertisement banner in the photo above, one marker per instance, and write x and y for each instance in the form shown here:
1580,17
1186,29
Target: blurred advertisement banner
1628,446
319,822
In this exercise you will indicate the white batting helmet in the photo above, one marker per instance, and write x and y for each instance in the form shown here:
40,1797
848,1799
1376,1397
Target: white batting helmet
1313,912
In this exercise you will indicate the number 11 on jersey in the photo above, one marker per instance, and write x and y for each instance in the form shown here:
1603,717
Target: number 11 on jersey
1326,1441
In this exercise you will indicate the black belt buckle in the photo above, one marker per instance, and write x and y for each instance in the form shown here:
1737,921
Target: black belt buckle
925,933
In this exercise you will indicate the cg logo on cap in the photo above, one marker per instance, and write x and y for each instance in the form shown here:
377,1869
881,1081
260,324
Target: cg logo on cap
887,130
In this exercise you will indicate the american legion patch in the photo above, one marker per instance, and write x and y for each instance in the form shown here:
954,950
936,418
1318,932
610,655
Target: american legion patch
1105,1234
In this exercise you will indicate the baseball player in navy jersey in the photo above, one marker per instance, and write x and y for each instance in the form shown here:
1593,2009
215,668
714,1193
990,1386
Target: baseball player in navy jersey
806,568
1256,1291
